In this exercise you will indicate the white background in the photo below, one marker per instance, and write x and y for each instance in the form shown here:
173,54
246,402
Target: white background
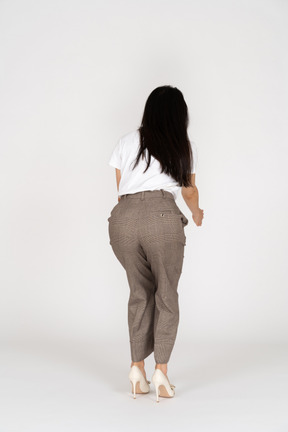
75,76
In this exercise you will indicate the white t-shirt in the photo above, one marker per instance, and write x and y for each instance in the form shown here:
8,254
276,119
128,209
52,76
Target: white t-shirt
123,158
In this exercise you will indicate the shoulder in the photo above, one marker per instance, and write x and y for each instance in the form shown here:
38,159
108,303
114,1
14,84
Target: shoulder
194,148
129,140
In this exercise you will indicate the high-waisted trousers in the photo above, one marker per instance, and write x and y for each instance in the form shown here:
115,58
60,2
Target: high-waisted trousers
146,231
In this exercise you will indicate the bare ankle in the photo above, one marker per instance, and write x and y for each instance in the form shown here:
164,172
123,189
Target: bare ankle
162,366
139,363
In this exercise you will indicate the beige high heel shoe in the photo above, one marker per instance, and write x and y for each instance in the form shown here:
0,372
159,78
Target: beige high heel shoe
162,385
139,383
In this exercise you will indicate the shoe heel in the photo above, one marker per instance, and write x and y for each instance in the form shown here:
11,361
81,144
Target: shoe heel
160,380
134,383
136,377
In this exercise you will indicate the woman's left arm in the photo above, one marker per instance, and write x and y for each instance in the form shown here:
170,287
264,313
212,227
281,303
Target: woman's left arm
118,178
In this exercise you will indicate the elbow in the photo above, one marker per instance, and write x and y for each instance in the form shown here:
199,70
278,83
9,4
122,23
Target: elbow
189,192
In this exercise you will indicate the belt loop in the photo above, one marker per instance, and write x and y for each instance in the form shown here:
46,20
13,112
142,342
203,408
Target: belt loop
163,193
142,195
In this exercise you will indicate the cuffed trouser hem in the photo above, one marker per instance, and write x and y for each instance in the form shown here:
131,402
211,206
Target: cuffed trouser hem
141,349
162,351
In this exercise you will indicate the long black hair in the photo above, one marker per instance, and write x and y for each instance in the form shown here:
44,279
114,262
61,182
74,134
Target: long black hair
163,132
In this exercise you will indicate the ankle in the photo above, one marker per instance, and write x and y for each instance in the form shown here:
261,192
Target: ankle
162,366
139,364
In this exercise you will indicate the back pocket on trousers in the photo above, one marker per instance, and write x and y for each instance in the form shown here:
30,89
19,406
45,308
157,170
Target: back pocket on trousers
163,213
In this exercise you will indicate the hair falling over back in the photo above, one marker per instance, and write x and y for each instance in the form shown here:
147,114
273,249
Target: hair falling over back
163,132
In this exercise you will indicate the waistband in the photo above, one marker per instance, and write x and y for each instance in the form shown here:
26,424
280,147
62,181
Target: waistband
149,194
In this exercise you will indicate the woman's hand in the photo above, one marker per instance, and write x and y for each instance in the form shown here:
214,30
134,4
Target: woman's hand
198,217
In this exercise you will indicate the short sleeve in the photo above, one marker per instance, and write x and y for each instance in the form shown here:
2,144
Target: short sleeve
116,156
195,157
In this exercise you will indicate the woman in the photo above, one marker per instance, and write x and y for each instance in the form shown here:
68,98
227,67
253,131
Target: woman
146,229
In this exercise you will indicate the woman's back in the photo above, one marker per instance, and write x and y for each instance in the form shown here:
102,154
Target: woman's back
136,180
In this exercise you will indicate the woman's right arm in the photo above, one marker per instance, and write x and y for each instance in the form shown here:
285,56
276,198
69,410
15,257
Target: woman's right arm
191,197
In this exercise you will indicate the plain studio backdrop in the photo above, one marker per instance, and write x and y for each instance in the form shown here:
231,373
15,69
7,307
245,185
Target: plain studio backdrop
75,76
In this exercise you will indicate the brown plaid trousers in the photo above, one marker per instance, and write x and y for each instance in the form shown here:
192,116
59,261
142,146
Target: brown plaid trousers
146,231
